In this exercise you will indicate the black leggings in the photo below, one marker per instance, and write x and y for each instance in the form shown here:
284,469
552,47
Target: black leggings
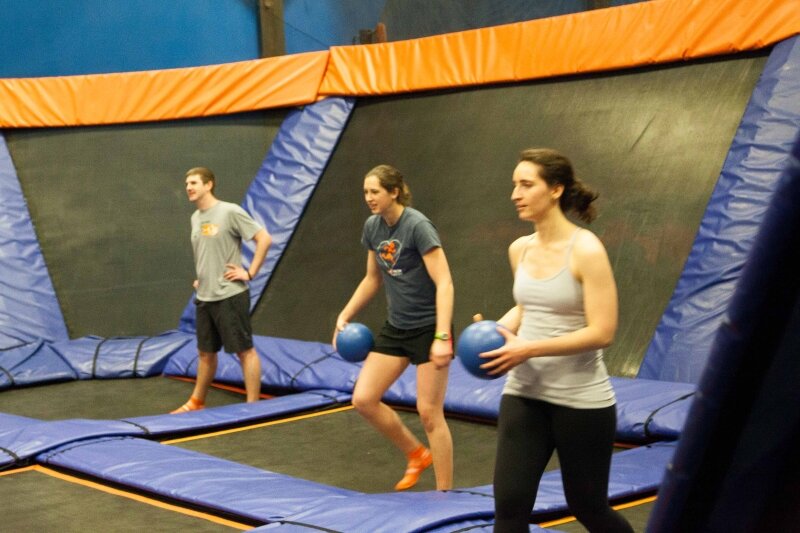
528,432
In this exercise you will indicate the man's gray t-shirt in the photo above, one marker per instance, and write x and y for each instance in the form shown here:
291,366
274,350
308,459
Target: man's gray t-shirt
410,291
217,234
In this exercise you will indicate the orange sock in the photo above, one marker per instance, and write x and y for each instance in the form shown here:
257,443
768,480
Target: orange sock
192,405
418,461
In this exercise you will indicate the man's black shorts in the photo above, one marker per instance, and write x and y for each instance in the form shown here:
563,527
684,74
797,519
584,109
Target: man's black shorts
224,323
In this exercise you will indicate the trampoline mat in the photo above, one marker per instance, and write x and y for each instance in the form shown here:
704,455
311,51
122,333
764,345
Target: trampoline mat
345,451
106,399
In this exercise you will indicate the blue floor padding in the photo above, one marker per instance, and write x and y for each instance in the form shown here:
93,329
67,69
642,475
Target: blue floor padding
89,357
466,526
650,410
32,363
22,438
238,413
286,364
192,477
10,423
647,409
635,471
255,494
121,357
402,511
479,526
30,439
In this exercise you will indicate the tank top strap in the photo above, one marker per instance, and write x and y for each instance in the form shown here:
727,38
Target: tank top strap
572,244
525,248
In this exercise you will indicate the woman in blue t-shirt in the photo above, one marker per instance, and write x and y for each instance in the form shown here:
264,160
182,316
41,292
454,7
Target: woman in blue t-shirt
404,254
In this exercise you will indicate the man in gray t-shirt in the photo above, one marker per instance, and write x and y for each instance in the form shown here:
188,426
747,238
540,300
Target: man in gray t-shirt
223,298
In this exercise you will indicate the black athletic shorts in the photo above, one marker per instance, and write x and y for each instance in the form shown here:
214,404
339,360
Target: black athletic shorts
224,323
412,343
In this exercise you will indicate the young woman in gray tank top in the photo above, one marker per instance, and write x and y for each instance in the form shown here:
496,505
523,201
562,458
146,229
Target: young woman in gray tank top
557,396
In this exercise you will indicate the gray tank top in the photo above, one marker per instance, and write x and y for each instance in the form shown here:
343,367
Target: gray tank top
552,307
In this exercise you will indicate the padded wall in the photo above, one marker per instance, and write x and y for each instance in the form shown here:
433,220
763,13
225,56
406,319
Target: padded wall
651,141
111,214
757,156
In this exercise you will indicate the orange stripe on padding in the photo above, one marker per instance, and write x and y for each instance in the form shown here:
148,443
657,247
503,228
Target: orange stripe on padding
261,425
17,470
644,33
568,519
142,499
162,94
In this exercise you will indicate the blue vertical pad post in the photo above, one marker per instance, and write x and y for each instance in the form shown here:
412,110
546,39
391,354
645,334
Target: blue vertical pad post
29,308
283,185
759,152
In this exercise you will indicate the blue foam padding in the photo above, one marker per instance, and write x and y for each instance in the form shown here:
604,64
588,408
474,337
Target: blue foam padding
480,526
29,439
22,437
405,511
651,410
29,308
747,345
193,477
238,413
760,150
34,362
471,526
647,409
286,364
121,357
632,472
283,185
9,423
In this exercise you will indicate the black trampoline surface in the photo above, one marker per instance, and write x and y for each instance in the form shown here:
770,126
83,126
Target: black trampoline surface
106,399
650,141
339,448
111,214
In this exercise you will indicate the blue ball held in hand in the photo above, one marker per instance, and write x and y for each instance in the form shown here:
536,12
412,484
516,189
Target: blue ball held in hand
354,342
477,338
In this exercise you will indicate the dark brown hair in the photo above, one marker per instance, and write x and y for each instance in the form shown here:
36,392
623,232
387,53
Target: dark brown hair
556,169
205,174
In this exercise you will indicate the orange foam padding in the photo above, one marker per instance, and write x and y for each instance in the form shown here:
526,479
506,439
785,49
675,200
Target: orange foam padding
658,31
162,94
645,33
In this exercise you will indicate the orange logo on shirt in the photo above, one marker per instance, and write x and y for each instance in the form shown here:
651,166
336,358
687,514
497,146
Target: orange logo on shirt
389,252
207,229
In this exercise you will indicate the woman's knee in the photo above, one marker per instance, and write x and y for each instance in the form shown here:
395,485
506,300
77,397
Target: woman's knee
365,403
431,415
